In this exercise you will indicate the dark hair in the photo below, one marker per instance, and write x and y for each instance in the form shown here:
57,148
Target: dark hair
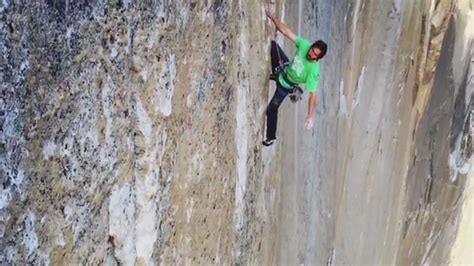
321,46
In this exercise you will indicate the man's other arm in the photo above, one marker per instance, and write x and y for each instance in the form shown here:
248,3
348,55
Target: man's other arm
311,107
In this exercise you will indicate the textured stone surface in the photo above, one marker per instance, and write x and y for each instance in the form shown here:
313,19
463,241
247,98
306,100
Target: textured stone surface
355,190
131,130
120,138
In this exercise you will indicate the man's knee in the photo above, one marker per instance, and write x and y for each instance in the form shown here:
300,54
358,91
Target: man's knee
272,107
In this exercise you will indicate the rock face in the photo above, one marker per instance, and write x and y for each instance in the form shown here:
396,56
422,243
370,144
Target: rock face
131,133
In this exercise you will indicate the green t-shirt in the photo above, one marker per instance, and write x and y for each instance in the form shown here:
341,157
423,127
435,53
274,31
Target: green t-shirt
300,69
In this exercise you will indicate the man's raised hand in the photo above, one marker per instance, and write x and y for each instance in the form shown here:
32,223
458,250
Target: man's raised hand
268,11
309,123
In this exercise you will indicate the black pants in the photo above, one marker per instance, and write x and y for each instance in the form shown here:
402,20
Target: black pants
278,58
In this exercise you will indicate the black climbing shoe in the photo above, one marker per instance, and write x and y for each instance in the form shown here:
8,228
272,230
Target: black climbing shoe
273,77
268,142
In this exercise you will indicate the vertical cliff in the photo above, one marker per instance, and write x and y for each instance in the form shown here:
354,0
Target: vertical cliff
131,130
381,178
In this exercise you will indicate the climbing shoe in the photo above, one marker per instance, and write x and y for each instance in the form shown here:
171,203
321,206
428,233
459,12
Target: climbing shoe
268,142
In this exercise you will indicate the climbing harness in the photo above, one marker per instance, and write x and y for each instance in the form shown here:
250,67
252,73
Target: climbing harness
294,92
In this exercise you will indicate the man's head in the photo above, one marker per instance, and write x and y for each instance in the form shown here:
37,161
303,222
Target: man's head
317,51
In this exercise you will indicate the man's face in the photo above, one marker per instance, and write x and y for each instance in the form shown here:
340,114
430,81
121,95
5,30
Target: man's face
314,54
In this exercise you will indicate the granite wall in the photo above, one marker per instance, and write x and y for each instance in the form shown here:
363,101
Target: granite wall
131,130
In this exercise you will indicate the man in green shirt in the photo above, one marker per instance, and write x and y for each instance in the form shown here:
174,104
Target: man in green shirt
304,69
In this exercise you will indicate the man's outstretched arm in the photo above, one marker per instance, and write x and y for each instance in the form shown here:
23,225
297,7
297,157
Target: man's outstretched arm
280,25
311,107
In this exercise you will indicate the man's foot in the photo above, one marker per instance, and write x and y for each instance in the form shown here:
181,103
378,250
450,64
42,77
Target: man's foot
268,142
273,77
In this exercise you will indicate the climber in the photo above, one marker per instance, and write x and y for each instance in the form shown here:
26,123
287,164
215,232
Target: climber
304,69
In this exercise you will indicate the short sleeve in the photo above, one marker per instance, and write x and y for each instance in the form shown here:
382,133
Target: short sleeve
302,43
312,83
299,41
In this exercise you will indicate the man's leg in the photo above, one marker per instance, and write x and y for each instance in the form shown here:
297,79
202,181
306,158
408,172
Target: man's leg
272,114
278,57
